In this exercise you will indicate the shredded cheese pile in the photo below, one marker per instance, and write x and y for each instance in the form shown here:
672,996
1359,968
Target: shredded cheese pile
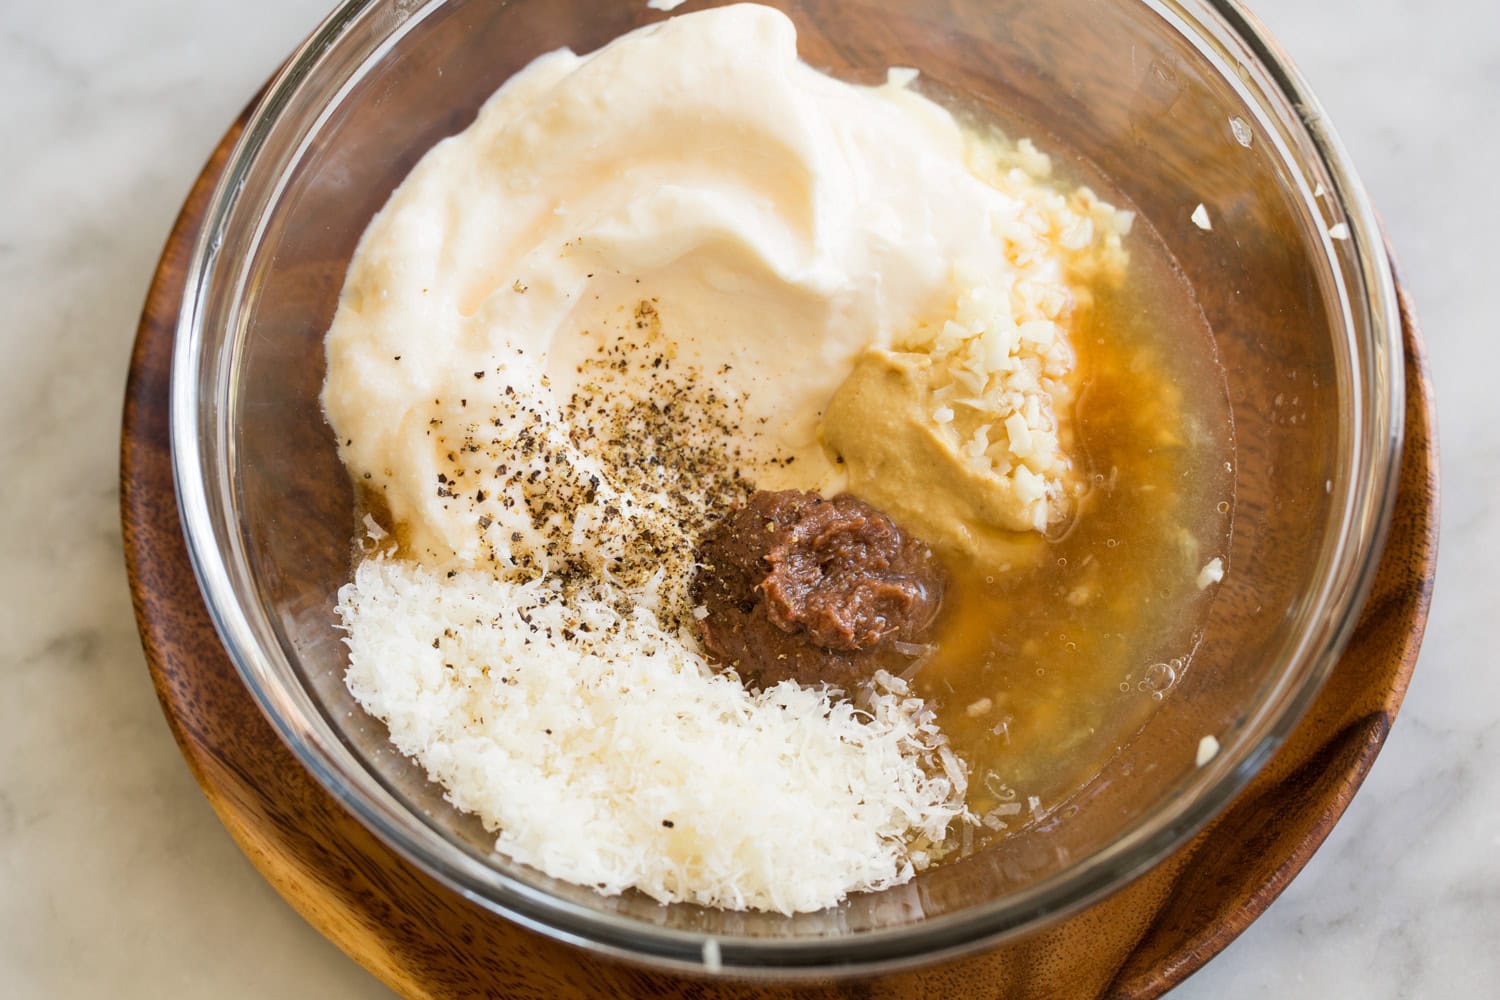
605,751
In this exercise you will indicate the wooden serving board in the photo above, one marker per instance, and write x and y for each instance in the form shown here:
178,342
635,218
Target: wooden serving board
425,941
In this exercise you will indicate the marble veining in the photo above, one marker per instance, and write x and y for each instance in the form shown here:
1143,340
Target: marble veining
116,879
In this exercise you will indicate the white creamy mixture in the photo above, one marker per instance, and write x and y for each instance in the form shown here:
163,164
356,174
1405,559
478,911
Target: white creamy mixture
690,216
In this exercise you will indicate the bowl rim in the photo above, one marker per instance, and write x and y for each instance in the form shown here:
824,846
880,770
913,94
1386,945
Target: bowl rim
199,438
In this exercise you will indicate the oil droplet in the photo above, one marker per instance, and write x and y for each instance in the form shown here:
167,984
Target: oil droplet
1160,676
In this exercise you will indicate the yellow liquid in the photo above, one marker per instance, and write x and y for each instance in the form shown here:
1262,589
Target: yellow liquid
1040,674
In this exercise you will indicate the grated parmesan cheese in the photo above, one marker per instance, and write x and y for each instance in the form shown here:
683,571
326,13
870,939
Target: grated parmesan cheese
1208,749
1241,129
373,530
603,750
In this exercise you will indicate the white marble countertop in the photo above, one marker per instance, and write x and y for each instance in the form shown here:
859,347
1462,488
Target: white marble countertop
115,877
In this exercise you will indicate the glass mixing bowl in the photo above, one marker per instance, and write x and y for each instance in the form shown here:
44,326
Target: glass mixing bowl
1178,102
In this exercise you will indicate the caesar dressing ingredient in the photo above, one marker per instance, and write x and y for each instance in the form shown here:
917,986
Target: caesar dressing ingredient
795,586
605,751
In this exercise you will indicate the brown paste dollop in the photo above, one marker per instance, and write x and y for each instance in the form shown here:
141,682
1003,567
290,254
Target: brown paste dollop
812,589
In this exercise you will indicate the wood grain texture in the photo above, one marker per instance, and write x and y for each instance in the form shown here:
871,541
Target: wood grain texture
426,942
